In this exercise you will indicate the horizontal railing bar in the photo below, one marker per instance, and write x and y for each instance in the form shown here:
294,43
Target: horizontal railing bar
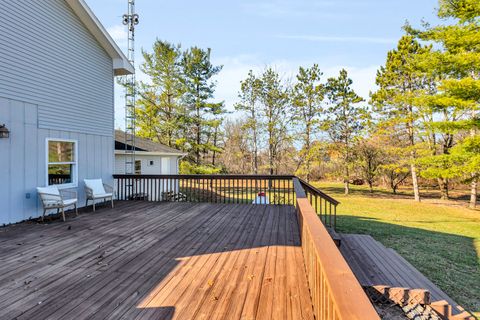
202,176
306,185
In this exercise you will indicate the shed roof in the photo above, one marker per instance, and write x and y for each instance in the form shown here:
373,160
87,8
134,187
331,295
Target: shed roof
147,145
121,65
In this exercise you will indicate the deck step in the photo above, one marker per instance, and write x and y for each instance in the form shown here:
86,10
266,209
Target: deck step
443,308
389,274
398,295
336,237
463,316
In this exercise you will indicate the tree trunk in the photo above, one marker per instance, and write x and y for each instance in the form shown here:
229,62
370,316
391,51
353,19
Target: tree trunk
473,194
346,181
443,185
370,184
416,191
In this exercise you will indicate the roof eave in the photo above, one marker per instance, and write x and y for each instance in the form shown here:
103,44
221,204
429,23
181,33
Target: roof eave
121,65
154,153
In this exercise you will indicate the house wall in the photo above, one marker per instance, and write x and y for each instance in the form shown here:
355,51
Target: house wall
161,164
23,160
56,81
49,58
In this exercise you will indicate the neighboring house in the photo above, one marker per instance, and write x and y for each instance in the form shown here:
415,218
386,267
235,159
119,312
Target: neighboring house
57,70
150,157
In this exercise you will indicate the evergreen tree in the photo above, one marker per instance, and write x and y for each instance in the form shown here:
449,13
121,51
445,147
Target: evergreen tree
250,90
344,120
308,96
457,64
198,72
275,104
159,115
399,81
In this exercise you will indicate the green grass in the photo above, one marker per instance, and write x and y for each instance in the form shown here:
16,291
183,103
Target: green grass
441,239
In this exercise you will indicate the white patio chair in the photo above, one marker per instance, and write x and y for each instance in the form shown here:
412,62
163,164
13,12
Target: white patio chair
95,189
53,198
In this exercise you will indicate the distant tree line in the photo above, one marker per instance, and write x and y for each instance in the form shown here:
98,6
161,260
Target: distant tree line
420,126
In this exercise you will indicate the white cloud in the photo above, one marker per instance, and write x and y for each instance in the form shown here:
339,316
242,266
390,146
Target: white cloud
346,39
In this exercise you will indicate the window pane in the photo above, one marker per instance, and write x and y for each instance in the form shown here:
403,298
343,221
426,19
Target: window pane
60,173
60,151
138,167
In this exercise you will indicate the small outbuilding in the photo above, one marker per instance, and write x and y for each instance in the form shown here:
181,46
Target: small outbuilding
150,157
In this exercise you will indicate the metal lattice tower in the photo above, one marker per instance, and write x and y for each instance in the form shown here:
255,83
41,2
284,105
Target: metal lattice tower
130,20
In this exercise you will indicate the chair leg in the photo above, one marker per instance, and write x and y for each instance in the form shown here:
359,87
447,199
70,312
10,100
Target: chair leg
76,210
93,205
63,214
86,202
43,215
112,201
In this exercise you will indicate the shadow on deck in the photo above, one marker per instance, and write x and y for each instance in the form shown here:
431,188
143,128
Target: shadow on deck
145,260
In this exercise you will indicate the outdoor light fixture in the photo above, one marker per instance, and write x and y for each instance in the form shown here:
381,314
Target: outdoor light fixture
4,133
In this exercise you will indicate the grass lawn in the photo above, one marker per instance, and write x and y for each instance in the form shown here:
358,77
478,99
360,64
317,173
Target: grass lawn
441,239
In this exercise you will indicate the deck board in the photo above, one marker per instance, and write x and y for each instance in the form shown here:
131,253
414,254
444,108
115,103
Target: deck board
145,260
375,265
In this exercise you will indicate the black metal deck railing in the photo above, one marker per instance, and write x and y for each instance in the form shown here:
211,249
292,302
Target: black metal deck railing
259,189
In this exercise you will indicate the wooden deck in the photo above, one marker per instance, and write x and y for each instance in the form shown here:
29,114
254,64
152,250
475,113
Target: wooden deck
146,260
381,268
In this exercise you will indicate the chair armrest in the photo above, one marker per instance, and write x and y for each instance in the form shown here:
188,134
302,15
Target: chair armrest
89,192
108,188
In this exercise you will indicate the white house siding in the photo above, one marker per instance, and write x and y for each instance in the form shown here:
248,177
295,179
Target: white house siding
23,160
161,164
56,81
48,58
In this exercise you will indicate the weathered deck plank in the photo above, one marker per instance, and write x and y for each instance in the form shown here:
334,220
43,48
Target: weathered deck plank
375,265
157,261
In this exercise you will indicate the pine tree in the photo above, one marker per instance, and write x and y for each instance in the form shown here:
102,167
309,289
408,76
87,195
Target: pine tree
275,104
457,64
308,96
198,71
399,81
250,90
344,120
159,110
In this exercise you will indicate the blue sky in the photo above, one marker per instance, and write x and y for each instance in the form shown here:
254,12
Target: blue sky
249,34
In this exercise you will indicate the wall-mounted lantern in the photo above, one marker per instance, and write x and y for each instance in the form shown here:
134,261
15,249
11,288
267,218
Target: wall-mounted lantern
4,133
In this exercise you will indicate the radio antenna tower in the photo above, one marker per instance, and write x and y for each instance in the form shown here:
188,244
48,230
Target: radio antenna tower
130,20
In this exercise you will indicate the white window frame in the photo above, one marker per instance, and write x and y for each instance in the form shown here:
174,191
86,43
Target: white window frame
74,183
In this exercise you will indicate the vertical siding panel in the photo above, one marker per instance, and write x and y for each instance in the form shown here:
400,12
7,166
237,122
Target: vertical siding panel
90,157
82,166
42,136
31,150
17,160
5,145
108,150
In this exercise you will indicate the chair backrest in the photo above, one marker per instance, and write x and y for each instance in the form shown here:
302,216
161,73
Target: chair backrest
49,194
96,185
